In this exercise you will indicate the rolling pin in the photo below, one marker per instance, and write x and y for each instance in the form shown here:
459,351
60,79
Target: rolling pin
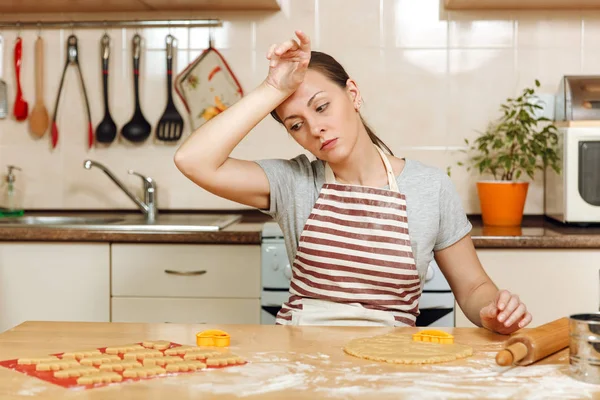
535,344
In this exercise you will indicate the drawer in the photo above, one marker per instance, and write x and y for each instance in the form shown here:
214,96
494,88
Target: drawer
185,311
173,270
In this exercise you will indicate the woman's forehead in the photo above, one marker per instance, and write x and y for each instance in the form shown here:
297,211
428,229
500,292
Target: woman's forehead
314,82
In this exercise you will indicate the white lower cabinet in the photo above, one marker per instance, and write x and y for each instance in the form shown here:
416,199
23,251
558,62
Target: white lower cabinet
54,282
553,283
186,283
186,311
220,284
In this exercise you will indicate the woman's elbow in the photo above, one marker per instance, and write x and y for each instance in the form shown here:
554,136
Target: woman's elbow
191,168
182,161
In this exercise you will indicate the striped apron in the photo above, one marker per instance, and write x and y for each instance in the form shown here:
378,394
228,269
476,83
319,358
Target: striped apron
354,264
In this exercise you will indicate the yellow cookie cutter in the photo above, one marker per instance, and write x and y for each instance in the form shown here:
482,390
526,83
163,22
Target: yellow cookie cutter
433,336
213,337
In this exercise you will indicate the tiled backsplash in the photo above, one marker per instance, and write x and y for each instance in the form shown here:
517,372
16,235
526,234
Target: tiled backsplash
429,78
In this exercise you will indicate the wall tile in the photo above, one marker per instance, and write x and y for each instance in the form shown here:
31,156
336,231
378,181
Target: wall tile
590,61
412,104
236,33
155,38
591,29
479,81
356,23
415,24
40,179
549,29
547,65
278,27
468,33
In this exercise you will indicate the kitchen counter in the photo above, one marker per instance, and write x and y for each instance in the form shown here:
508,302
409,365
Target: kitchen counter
290,363
247,231
535,232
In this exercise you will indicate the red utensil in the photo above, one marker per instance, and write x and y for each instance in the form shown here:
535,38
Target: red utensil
20,107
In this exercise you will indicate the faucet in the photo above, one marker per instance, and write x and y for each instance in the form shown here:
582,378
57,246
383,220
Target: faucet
148,206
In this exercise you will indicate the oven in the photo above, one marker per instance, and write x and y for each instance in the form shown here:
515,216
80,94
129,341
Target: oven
436,305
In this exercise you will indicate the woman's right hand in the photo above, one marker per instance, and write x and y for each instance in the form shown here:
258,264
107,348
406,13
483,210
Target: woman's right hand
288,63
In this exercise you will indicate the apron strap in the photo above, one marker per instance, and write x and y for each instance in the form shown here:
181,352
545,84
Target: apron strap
330,177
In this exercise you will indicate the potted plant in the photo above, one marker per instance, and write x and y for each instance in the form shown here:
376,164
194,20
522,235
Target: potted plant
519,142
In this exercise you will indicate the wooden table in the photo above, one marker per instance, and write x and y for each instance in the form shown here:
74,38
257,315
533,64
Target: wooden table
289,363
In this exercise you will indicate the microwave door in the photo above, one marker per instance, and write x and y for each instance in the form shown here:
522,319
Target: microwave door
589,172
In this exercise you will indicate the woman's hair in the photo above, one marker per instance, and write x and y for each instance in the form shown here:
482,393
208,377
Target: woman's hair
328,66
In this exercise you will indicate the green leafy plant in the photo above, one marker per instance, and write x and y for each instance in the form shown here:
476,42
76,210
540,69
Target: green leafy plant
518,142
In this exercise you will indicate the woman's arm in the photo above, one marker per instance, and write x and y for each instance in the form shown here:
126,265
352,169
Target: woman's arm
476,294
204,156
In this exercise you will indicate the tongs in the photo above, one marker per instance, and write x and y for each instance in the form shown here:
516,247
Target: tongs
72,58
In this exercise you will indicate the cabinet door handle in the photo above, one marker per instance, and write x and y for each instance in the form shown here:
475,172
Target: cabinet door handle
199,323
185,273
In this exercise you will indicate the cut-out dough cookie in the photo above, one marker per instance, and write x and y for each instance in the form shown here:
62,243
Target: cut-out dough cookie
401,349
56,365
123,349
223,360
101,377
143,372
76,372
202,354
99,360
179,350
162,361
78,355
119,365
183,350
36,360
185,366
157,344
142,354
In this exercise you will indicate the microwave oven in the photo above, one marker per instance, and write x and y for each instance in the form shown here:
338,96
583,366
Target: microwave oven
573,195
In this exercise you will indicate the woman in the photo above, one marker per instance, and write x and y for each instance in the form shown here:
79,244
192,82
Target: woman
345,216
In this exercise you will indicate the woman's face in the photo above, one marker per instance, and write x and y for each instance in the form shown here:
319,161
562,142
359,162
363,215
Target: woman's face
322,117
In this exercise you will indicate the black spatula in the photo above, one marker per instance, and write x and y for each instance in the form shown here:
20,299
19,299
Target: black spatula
170,125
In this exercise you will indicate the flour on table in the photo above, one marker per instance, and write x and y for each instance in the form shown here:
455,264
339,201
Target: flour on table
286,374
290,373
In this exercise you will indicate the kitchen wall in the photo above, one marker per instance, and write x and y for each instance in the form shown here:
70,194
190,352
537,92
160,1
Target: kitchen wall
429,78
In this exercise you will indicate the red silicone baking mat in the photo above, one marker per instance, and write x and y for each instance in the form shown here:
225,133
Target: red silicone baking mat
48,376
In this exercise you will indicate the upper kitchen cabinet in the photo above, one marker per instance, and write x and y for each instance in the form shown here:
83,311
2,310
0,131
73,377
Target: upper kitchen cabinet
521,4
105,6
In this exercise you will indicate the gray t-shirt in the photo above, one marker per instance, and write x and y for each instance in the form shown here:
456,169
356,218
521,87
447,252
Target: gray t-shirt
436,218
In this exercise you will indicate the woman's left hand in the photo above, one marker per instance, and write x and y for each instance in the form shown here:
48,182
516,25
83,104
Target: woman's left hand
505,314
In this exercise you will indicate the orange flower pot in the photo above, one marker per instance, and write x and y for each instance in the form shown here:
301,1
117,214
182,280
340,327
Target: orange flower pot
502,202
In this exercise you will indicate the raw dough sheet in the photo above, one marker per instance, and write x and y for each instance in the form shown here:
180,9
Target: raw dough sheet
401,349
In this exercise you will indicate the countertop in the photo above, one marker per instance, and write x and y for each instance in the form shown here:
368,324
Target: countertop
290,363
535,232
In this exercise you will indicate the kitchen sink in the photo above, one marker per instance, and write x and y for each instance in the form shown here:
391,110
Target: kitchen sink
57,220
133,222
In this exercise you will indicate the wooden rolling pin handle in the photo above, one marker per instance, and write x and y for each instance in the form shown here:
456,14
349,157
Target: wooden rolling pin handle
512,354
535,344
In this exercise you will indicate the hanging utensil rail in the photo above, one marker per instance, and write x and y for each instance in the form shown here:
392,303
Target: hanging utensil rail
174,23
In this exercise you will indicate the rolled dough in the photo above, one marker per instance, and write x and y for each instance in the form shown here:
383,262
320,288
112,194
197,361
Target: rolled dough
401,349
